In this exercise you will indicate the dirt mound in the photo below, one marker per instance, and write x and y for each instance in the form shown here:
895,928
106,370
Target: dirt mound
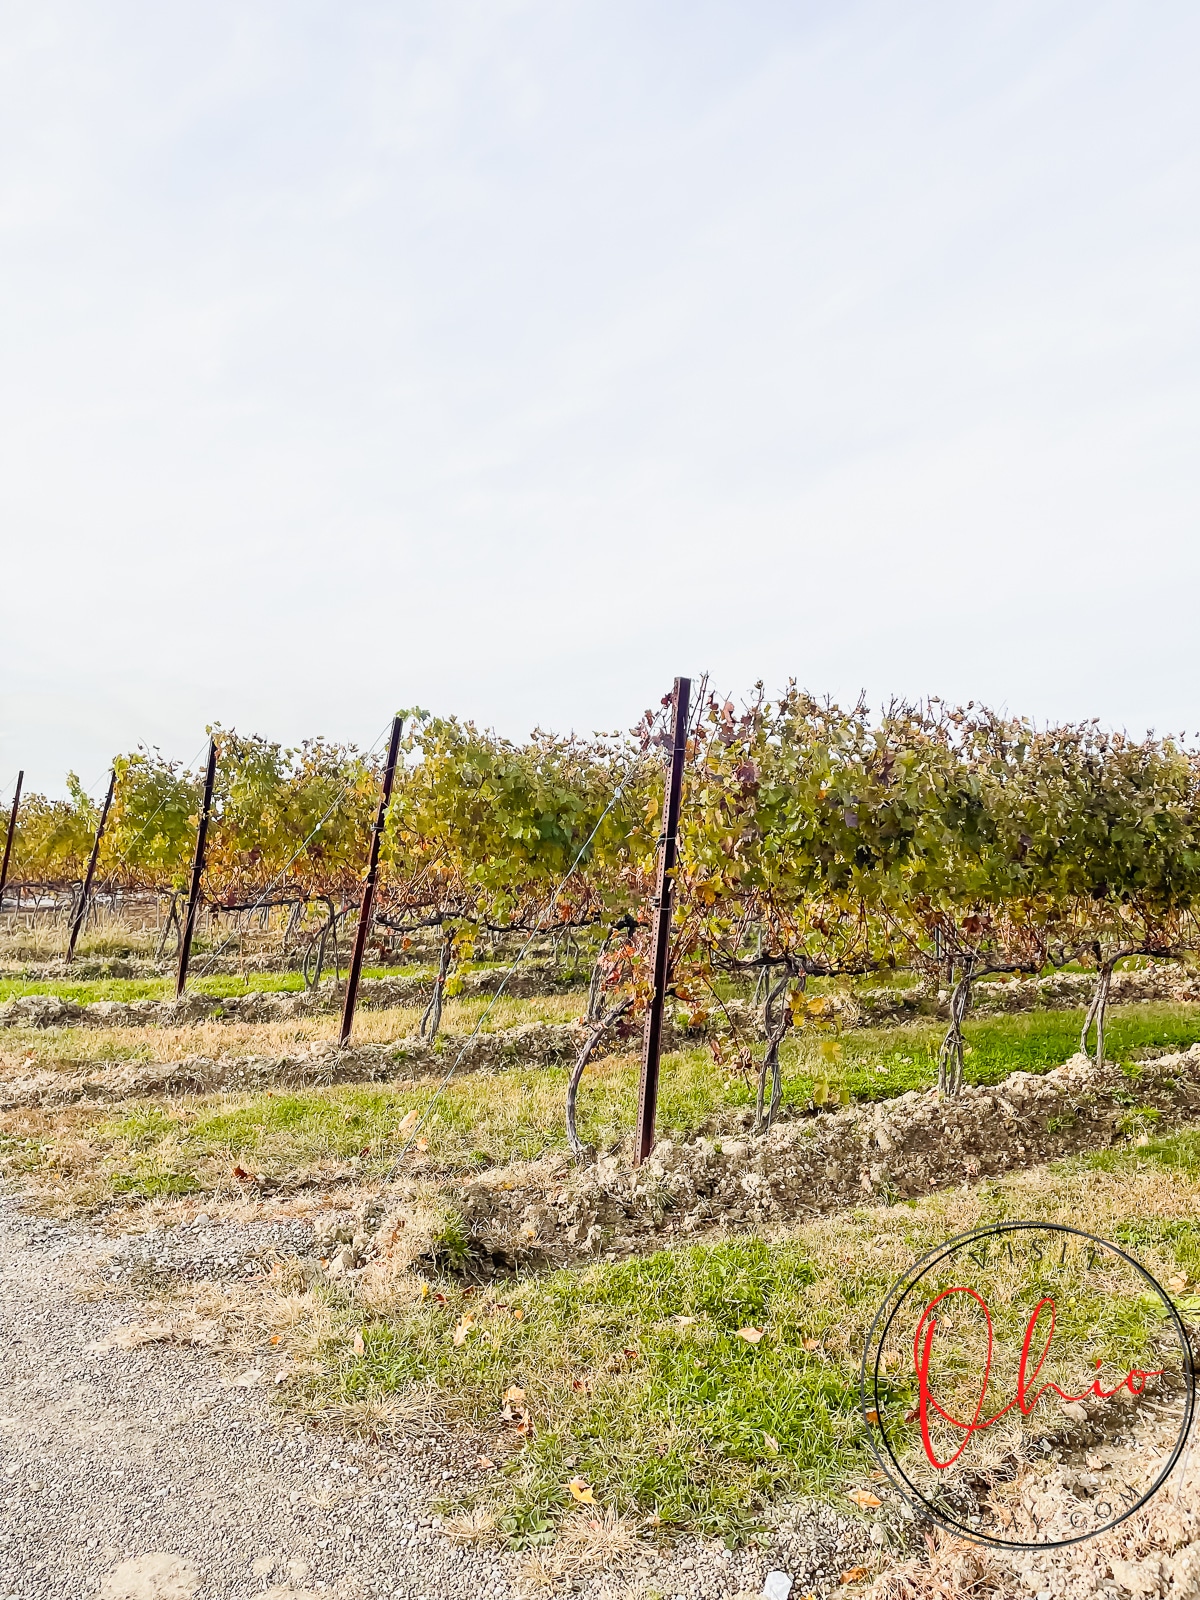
536,1044
49,1011
547,1214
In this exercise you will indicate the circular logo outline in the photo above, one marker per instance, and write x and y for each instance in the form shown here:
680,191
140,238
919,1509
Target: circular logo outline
895,1297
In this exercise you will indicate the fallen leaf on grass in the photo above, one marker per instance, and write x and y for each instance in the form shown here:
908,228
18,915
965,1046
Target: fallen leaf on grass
275,1338
581,1492
409,1121
1178,1283
685,1322
812,1344
751,1335
872,1417
864,1498
854,1575
242,1175
514,1396
360,1348
485,1463
772,1443
518,1314
463,1329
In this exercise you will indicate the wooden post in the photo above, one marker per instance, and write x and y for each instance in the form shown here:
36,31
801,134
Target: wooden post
661,933
189,925
12,833
364,910
81,909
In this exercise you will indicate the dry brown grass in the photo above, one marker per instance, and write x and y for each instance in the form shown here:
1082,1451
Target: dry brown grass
24,1050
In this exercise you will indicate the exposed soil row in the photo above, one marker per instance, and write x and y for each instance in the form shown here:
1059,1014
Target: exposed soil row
533,1045
547,1215
49,1011
870,1008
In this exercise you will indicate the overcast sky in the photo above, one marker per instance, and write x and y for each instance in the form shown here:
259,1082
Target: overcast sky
509,358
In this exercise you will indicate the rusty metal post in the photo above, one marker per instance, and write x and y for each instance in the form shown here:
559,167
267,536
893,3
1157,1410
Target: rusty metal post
189,924
81,909
661,933
12,832
365,909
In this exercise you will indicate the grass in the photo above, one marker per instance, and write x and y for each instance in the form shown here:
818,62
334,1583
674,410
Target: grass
222,986
69,1047
494,1119
636,1378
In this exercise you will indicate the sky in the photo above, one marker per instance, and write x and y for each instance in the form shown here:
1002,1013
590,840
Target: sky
508,359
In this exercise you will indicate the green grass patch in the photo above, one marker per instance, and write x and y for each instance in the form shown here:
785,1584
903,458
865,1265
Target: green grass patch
518,1114
222,986
655,1412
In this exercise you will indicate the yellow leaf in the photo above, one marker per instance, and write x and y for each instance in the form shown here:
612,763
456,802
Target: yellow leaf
359,1347
864,1498
751,1335
812,1344
514,1396
463,1329
873,1418
518,1314
772,1443
424,1291
581,1492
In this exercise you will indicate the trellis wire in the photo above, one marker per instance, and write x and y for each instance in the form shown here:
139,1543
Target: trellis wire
520,956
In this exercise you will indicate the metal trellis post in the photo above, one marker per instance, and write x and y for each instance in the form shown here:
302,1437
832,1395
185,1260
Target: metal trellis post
189,925
11,834
364,910
661,933
81,909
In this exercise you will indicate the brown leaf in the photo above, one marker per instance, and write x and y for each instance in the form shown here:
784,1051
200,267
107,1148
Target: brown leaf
360,1348
242,1175
514,1396
812,1344
485,1463
854,1575
864,1498
463,1329
751,1335
408,1122
1178,1283
872,1417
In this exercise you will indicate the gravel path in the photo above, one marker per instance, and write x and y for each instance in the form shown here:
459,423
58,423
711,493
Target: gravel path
152,1473
146,1474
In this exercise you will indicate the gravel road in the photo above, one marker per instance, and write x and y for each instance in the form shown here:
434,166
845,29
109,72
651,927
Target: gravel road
154,1473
